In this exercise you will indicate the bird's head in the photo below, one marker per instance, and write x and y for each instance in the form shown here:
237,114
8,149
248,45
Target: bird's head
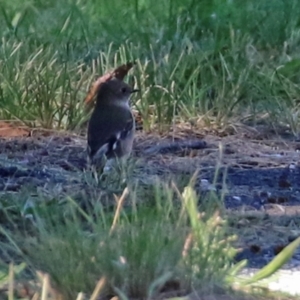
114,91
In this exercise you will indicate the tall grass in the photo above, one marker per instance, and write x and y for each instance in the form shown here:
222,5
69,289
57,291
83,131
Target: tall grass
170,246
221,60
141,251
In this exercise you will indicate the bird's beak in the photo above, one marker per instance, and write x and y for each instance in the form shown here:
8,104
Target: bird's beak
134,91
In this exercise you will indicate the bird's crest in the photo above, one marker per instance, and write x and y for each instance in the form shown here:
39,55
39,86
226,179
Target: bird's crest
119,73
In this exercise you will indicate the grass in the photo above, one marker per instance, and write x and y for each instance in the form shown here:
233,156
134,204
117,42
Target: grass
164,249
140,250
212,64
167,248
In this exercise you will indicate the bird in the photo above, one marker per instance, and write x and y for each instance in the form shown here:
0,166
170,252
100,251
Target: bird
111,127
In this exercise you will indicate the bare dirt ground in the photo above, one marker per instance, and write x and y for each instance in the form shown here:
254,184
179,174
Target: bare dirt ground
259,176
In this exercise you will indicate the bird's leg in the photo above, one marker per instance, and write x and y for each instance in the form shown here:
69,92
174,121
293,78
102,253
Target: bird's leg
115,167
126,167
96,166
105,168
123,172
112,174
92,168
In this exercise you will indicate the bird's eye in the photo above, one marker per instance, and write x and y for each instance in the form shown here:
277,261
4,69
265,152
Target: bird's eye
123,90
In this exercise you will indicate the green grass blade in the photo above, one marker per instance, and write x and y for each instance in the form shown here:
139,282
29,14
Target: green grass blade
276,263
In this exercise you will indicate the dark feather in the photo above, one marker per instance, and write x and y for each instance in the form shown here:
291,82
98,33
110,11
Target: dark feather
101,131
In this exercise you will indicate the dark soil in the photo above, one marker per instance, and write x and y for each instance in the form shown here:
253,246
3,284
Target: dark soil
259,177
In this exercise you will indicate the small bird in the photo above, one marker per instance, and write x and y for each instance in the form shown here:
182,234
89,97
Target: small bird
111,127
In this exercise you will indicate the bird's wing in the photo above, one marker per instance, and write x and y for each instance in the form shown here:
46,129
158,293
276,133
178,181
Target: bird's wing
103,134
